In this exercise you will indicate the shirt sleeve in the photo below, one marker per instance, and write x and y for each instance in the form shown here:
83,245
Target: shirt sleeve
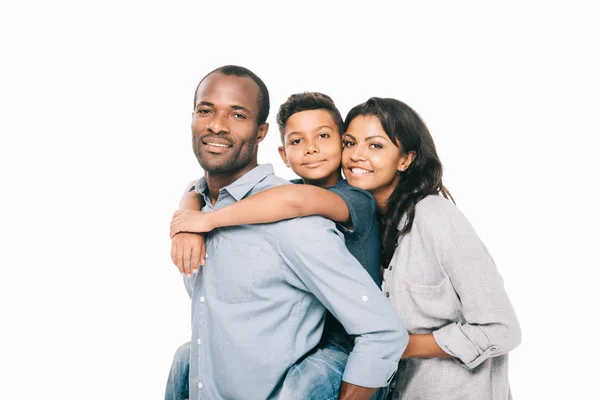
489,327
316,254
361,206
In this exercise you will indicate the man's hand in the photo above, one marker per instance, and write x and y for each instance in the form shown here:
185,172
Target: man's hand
349,391
188,252
190,221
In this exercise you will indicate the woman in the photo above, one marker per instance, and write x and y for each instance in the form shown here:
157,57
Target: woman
437,273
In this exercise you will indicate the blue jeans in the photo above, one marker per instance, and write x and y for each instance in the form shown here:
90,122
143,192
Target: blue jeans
178,382
317,376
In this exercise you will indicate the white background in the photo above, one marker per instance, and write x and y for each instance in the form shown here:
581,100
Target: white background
95,151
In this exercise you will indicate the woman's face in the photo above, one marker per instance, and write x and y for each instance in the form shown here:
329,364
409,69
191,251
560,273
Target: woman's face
370,160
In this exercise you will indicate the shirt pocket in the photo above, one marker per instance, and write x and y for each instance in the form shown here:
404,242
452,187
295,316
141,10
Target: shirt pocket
428,307
232,274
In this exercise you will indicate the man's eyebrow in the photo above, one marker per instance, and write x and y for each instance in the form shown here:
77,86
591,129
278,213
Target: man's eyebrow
204,103
233,107
242,108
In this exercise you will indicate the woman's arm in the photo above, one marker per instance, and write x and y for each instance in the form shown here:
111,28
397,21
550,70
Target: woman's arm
271,205
489,325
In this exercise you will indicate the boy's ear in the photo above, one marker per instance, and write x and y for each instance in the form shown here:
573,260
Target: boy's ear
283,155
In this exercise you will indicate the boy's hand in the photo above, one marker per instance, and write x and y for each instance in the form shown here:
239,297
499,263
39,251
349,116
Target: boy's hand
188,252
190,221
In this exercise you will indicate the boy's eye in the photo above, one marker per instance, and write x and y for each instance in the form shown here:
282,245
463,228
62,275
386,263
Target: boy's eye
295,141
348,143
323,135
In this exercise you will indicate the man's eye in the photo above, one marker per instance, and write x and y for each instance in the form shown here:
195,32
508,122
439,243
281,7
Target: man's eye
348,143
203,111
239,116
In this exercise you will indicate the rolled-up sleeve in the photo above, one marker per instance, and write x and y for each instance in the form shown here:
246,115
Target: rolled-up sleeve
489,326
315,252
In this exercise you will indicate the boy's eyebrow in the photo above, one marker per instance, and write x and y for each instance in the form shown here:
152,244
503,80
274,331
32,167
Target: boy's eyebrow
316,129
321,127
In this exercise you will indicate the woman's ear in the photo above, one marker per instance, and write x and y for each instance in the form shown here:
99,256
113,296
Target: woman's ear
406,160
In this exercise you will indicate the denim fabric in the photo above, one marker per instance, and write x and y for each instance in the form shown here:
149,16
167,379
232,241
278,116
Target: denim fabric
319,376
178,382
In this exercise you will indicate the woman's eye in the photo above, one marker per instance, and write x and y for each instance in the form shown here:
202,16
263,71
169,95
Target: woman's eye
348,143
376,146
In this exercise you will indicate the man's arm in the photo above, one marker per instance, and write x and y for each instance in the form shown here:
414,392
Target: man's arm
316,253
271,205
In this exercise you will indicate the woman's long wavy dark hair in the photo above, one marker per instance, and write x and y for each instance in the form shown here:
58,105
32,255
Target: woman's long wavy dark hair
423,177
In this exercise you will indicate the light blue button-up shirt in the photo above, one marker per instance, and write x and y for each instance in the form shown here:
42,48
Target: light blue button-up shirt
258,305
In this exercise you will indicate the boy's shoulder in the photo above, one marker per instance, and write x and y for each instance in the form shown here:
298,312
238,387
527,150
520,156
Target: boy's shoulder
343,188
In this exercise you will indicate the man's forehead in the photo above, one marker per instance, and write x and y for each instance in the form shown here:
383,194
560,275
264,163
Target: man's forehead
222,88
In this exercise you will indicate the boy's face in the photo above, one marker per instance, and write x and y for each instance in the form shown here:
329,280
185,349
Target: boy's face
313,147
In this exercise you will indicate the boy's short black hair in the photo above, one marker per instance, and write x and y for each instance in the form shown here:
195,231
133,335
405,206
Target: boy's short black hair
307,101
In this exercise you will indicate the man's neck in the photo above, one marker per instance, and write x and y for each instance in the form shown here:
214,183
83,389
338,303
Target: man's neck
217,181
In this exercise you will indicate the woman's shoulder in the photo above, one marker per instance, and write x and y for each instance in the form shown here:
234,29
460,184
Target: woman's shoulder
437,211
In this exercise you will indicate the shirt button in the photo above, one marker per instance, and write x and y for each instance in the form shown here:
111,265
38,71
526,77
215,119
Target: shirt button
201,299
199,385
387,294
365,298
390,267
199,341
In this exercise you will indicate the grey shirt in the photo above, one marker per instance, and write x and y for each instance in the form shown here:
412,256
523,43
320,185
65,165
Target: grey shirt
442,280
258,305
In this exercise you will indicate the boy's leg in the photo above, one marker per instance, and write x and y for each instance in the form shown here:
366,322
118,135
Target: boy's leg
178,382
316,377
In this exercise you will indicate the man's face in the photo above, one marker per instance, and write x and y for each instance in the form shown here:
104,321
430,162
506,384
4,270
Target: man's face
225,130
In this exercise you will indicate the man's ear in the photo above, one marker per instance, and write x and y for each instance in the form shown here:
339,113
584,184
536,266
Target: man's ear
263,129
406,160
283,155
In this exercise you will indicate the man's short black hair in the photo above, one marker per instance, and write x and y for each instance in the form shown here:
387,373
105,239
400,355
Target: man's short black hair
263,95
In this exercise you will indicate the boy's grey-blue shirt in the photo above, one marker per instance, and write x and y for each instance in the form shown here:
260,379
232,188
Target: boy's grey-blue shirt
258,305
363,243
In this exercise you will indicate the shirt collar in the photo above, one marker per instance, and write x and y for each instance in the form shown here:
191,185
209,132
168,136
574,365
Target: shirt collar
241,187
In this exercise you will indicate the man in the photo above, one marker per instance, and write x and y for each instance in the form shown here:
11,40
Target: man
258,305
